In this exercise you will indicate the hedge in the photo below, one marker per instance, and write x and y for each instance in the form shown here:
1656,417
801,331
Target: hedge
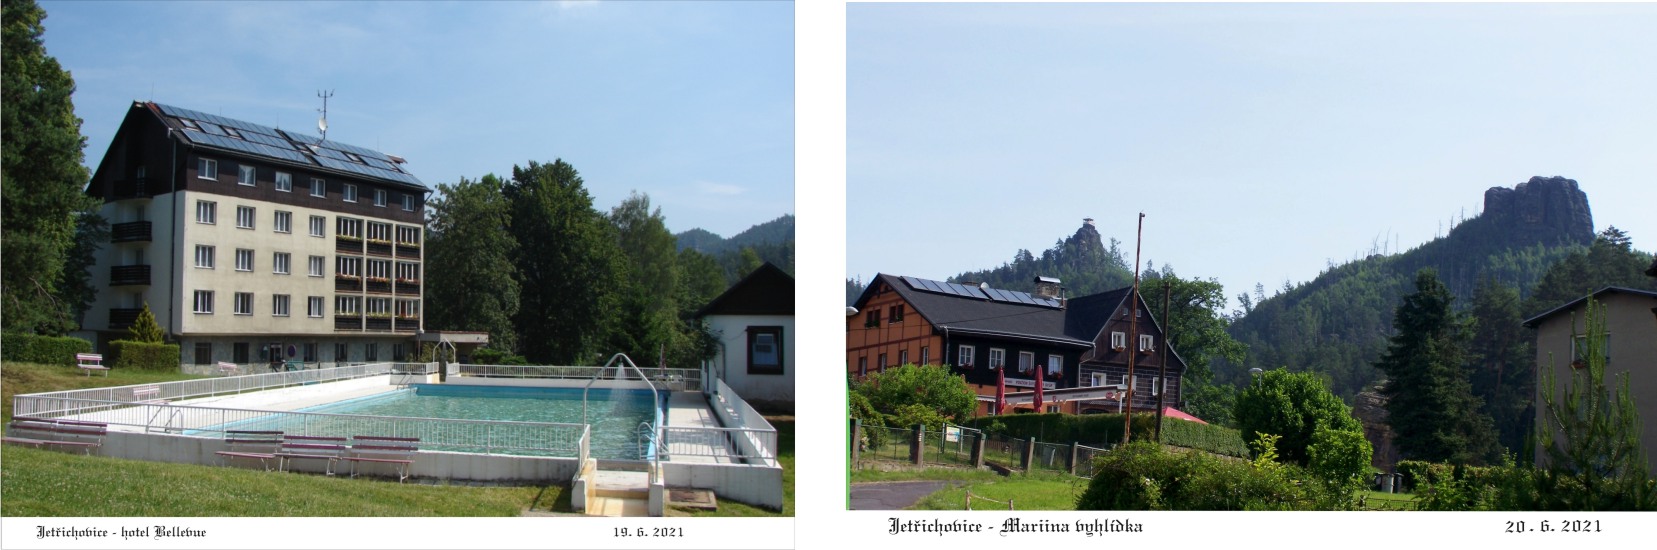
1103,430
1207,437
147,356
47,350
1418,472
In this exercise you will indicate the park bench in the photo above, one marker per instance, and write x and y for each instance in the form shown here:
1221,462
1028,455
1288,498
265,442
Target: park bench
310,447
148,395
56,434
89,362
228,369
398,451
252,445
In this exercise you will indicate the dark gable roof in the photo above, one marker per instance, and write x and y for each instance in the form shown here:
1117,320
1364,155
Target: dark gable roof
1533,322
1076,324
281,146
766,291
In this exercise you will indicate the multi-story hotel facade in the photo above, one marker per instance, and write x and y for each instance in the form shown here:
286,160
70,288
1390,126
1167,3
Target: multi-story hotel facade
252,244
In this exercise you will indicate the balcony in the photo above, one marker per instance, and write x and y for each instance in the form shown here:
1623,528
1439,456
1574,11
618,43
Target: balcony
123,317
380,285
382,324
130,232
408,250
135,188
407,324
347,322
128,275
408,286
345,243
347,284
379,248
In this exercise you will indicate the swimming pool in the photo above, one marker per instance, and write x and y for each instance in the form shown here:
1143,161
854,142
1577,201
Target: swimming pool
614,414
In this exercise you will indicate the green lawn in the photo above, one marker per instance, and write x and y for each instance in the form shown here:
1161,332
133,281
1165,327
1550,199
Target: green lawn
785,458
1039,491
25,378
49,483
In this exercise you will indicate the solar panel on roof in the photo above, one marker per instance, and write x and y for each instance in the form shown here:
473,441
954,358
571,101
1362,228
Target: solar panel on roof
211,128
1022,297
249,147
933,286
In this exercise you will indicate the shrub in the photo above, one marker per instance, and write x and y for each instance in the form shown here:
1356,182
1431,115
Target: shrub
146,356
1093,430
1207,437
1145,476
931,386
1340,458
46,350
1293,405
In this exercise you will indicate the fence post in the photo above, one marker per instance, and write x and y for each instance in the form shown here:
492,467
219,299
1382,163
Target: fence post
917,445
857,439
978,452
1071,464
1029,454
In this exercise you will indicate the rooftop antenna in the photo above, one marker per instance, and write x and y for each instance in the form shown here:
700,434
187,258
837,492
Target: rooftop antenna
322,123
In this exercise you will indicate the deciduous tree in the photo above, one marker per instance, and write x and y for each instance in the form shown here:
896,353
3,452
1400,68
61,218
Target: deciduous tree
470,281
568,266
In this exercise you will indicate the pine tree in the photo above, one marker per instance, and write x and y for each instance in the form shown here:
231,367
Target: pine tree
145,329
1430,402
1504,375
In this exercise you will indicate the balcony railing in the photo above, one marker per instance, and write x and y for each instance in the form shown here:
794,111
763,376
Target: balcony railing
135,188
405,250
380,285
124,275
129,232
408,286
406,324
348,284
347,244
347,322
123,317
378,323
379,248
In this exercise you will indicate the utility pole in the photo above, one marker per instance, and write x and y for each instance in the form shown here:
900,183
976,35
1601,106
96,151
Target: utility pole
1133,331
1167,322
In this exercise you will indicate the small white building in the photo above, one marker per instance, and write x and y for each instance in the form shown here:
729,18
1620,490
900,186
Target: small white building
754,322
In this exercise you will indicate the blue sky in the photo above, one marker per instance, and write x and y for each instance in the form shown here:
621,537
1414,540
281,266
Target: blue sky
692,103
1261,141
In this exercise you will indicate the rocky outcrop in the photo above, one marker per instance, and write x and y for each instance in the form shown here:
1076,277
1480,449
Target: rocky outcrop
1370,408
1542,210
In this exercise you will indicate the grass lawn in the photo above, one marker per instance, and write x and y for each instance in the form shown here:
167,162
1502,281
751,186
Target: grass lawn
50,483
1376,500
785,458
26,378
1039,491
927,474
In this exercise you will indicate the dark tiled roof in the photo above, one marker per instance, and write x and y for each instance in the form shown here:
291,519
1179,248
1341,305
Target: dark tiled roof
1537,320
1076,324
246,138
766,291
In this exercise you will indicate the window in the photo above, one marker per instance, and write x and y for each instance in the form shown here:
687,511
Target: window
244,217
313,306
350,192
349,267
379,307
245,175
408,271
207,169
964,356
280,263
1096,379
310,352
408,309
204,256
243,303
1147,342
348,227
317,263
379,197
204,353
881,365
926,355
347,306
397,352
872,320
1055,364
279,305
1026,362
1156,386
372,353
1118,341
765,353
339,353
379,232
863,366
207,212
191,124
239,353
244,259
408,203
204,302
408,236
895,313
319,188
379,270
284,222
284,182
319,226
998,358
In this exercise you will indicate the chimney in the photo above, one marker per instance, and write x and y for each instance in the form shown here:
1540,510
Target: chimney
1048,287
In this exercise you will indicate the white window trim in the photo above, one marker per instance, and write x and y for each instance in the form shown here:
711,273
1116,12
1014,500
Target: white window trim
197,302
252,217
1097,379
276,263
350,193
253,175
1118,340
276,222
286,309
280,179
1026,361
319,230
212,207
969,351
994,364
1055,363
250,262
408,203
212,256
1147,342
203,164
236,302
317,262
319,187
379,198
317,312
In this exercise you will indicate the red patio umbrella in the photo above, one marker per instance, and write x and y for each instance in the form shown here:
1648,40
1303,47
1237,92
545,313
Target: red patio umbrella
1040,374
1000,391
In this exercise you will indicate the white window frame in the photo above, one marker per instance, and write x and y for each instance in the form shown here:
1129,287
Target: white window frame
207,212
319,226
281,263
318,266
279,305
1055,364
206,256
971,353
319,187
247,175
242,300
1097,379
283,222
1026,361
314,307
379,198
207,169
244,259
408,202
1147,342
926,355
1118,341
350,193
350,306
998,358
203,302
284,182
247,217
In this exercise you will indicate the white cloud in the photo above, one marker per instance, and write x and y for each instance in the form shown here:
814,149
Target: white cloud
711,188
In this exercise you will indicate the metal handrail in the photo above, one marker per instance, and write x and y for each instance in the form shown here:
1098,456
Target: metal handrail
655,398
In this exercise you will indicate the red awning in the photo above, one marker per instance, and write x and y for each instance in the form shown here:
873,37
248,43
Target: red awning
1170,412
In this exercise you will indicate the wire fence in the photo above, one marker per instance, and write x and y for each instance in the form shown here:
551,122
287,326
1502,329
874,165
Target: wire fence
1005,451
880,443
951,448
1085,456
1050,456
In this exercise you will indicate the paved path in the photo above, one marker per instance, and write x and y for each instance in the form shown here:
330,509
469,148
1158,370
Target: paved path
895,495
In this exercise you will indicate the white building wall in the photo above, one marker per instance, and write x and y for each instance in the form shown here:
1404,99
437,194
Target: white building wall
731,364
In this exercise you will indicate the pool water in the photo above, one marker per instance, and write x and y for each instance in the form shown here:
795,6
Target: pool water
615,415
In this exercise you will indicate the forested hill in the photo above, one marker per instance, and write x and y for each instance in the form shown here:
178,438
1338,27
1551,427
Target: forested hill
772,241
1338,323
1082,262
